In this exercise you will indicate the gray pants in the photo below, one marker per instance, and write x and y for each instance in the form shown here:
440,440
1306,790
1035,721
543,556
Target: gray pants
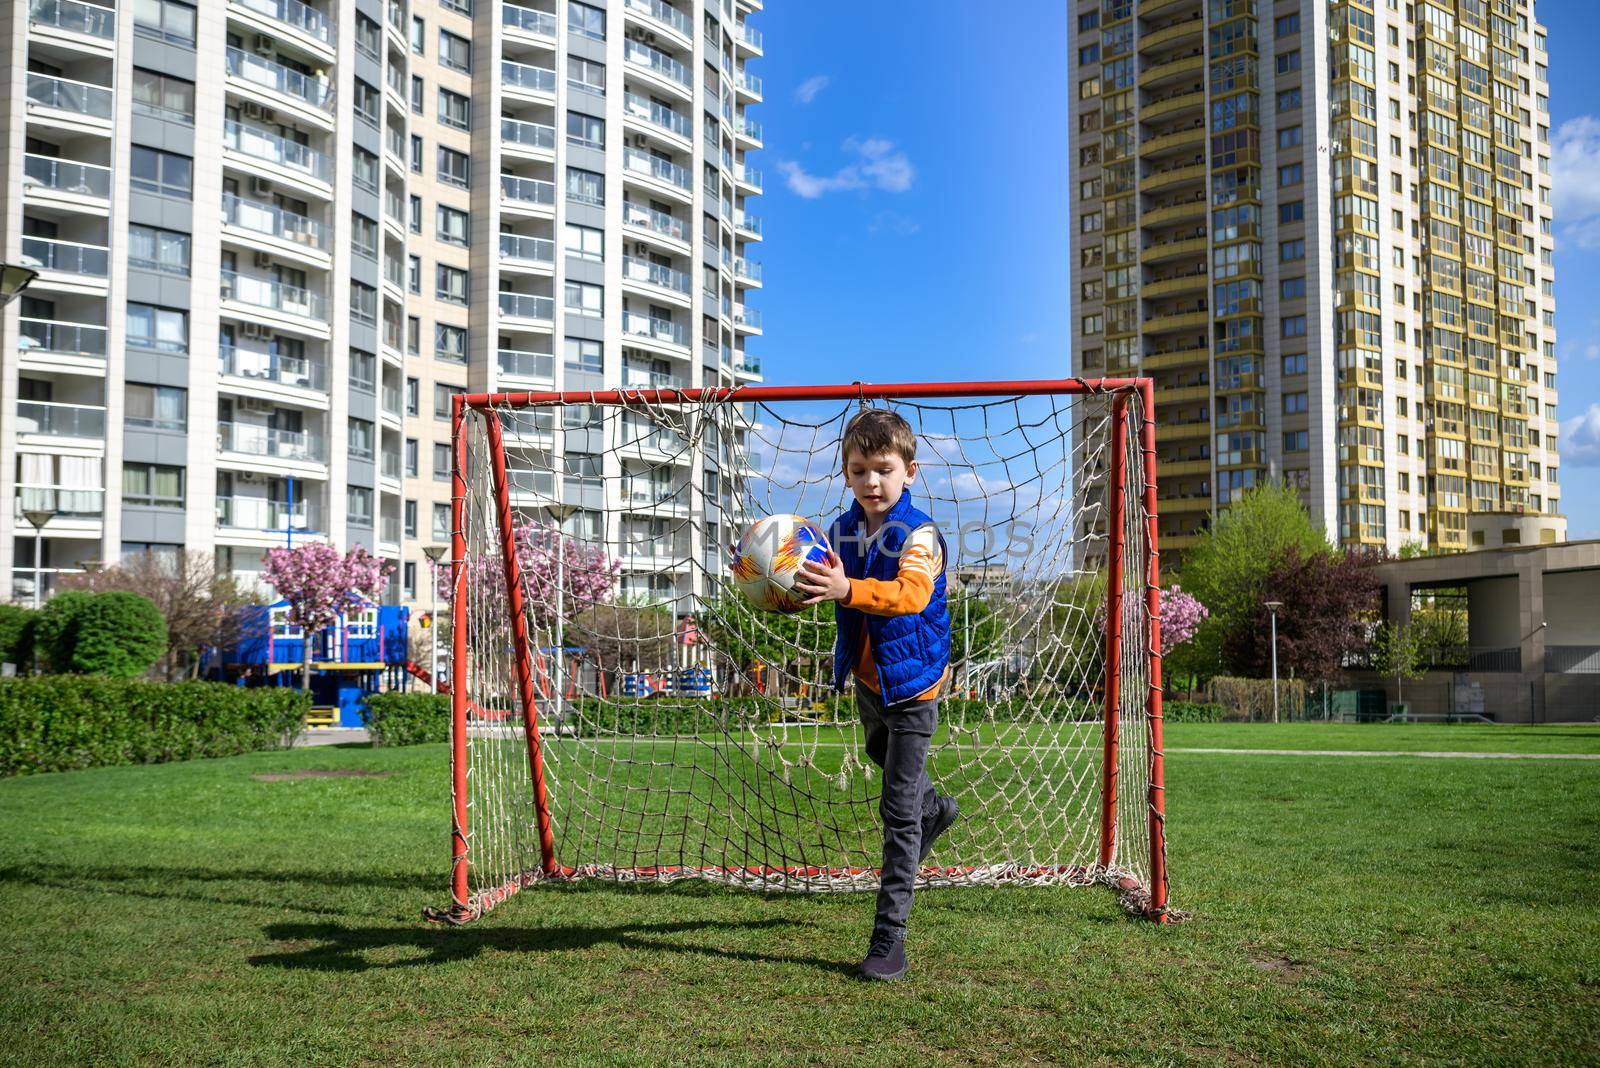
897,741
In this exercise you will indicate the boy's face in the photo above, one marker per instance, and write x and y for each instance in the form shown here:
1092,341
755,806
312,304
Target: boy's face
878,480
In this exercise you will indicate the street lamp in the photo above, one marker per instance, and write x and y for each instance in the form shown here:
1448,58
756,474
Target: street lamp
1273,606
37,518
433,553
13,280
561,512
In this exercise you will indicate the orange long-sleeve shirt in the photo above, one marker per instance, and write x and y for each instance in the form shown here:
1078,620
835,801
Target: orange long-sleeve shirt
905,595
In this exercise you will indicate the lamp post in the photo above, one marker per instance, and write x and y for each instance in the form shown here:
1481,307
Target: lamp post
13,280
433,553
37,518
1273,606
561,512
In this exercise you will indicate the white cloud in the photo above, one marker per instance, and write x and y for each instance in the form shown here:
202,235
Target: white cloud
1575,180
877,165
892,222
807,90
1580,439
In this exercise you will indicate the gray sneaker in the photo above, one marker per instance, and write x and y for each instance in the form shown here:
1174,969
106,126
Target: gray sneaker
944,814
886,959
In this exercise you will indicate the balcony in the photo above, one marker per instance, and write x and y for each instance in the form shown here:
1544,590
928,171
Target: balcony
273,221
536,250
533,366
657,62
270,148
68,258
526,78
749,38
260,514
1162,177
533,192
658,115
536,483
1169,214
657,222
251,439
527,306
639,324
67,502
1187,138
83,345
641,378
748,177
748,224
654,274
640,493
643,163
747,319
266,367
665,15
750,130
1162,73
527,20
1172,33
44,419
536,427
748,85
77,100
749,271
66,178
528,136
71,16
262,73
297,16
749,367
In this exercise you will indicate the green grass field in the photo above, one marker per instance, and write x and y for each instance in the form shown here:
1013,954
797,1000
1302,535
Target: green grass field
1346,909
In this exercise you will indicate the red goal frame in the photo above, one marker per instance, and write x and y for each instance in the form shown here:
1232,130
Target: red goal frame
1122,392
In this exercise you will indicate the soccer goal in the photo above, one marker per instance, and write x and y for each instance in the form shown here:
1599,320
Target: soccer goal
619,711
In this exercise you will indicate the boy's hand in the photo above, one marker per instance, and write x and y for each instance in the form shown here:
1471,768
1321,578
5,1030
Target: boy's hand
823,582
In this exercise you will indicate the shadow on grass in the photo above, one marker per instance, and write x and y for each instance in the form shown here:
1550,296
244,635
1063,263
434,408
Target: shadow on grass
347,949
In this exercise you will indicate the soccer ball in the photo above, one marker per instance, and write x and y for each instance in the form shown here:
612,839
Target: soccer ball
768,557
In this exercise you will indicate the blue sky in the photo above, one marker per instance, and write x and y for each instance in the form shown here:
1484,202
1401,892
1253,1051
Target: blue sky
916,207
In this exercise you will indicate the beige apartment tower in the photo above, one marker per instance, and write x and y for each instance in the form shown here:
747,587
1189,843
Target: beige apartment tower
1324,228
275,236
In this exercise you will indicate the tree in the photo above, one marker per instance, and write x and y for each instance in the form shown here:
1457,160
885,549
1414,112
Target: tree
201,608
1397,651
1327,598
1181,616
113,633
1228,569
16,635
319,582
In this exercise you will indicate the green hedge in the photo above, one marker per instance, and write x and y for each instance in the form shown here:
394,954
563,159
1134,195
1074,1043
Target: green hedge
1192,712
407,718
114,633
16,635
64,722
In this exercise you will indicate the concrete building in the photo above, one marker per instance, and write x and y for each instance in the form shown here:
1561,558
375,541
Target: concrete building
275,236
1324,228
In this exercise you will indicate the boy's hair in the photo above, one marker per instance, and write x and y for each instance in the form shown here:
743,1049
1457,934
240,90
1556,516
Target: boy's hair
875,431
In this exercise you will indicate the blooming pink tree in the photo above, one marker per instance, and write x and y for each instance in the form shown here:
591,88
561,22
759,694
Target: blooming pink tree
1181,616
319,582
587,574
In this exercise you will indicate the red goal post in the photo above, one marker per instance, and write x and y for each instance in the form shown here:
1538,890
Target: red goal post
497,706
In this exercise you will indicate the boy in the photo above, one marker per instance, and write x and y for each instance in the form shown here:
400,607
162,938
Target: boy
887,581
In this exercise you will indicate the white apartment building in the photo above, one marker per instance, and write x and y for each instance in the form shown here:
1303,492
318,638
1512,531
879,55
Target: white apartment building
275,236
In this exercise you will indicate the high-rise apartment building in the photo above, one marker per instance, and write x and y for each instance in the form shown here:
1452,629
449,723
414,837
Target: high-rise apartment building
275,236
1324,228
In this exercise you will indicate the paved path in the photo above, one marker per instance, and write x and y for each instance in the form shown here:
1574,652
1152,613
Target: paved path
1392,753
331,736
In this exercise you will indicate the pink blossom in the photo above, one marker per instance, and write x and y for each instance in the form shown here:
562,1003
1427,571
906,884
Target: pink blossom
1181,616
589,575
319,582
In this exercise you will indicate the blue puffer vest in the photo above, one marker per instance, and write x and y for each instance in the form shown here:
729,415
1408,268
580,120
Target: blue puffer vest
910,652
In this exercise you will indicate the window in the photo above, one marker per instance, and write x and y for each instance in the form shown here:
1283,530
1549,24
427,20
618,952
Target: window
1088,54
360,439
441,514
1296,440
441,400
358,506
416,154
441,472
413,334
1286,25
1292,212
1089,223
586,75
461,7
586,187
166,20
1294,364
1292,288
1294,403
364,235
1289,137
585,242
414,214
1089,88
363,370
585,131
156,407
364,169
455,110
158,250
454,225
454,168
1294,326
411,454
154,485
1288,62
451,284
455,52
585,299
414,274
419,36
162,329
411,532
583,355
586,21
1289,251
365,101
450,343
418,89
413,397
408,570
163,96
165,173
1289,99
1293,174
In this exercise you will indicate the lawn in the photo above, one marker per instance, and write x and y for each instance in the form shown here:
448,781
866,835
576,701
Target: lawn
1345,910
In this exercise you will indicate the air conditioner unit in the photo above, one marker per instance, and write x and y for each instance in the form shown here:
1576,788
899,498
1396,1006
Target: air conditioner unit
261,44
649,38
260,186
640,141
254,404
641,249
250,478
261,259
257,332
252,110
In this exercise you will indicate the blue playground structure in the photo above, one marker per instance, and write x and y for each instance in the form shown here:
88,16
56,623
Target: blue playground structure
363,651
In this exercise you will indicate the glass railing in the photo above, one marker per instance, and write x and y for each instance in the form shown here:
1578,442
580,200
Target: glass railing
641,162
72,339
534,249
274,149
527,190
750,224
750,317
265,367
638,324
663,13
537,365
651,219
656,60
657,115
67,176
634,492
256,440
655,274
389,529
265,293
518,17
258,70
527,306
748,175
71,502
68,257
64,95
259,513
293,13
747,366
750,83
749,128
391,400
274,221
529,425
639,378
542,483
526,76
61,420
744,268
750,36
528,134
88,19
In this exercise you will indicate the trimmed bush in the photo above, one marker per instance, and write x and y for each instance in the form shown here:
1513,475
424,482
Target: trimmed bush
407,718
1192,712
55,629
65,722
115,633
16,635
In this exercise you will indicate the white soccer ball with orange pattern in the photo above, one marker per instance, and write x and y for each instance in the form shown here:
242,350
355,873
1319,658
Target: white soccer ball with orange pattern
768,558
